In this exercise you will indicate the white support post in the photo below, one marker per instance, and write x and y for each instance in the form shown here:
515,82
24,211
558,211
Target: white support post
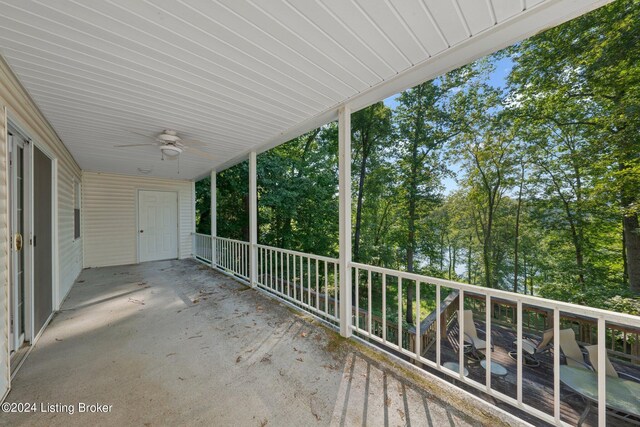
253,218
214,219
344,184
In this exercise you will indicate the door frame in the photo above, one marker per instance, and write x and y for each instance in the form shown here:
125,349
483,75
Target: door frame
19,139
54,233
177,193
31,335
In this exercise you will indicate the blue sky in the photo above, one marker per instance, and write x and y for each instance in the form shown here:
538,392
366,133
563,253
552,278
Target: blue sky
497,78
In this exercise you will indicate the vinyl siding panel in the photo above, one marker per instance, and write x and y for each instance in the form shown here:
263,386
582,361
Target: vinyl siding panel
109,216
25,114
5,370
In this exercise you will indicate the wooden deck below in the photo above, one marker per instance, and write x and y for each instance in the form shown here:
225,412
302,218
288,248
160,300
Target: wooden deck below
537,387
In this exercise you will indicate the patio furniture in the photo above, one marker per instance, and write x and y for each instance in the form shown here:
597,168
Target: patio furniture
592,352
471,335
498,370
571,350
530,350
455,367
623,400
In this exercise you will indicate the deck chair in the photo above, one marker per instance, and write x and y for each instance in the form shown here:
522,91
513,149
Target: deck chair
570,349
592,353
530,350
471,334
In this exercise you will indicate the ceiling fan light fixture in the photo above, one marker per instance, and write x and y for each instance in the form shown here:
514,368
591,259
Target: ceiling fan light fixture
170,150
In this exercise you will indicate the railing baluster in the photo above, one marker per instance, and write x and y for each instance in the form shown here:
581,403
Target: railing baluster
461,335
317,286
438,324
602,372
487,316
326,288
336,313
301,279
519,350
357,298
369,301
281,273
418,339
556,365
384,307
295,291
399,321
309,281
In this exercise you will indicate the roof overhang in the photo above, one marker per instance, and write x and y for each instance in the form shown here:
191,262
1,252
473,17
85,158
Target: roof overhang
239,76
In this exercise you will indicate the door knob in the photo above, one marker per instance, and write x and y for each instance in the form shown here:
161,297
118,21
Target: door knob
142,231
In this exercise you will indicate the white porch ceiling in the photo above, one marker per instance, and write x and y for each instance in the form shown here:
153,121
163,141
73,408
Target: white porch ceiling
238,75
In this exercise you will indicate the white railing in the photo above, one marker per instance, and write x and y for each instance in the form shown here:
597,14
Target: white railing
380,280
232,256
379,307
202,247
309,281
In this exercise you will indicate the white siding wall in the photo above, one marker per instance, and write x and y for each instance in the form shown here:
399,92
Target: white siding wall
109,216
4,259
25,114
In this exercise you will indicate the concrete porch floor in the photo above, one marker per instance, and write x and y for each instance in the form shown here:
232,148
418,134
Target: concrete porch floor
175,343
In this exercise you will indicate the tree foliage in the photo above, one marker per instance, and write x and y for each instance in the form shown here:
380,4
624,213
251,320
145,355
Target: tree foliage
528,184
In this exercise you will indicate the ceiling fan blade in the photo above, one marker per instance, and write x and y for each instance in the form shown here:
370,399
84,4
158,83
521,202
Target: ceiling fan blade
200,153
142,134
193,143
133,145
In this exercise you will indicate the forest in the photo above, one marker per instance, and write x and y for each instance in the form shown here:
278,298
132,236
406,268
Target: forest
520,171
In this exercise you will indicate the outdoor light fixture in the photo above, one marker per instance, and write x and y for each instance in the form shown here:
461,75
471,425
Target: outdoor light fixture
170,150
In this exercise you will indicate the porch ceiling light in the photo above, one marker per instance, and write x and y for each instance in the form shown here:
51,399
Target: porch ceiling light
170,150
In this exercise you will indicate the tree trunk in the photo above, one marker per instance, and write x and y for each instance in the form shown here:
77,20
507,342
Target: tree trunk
632,248
413,190
517,233
469,253
363,173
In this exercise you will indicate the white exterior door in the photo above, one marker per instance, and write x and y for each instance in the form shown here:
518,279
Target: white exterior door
157,225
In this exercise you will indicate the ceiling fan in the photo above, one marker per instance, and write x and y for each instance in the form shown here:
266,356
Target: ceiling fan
170,144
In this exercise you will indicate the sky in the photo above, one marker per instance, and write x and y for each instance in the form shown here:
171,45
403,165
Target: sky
497,78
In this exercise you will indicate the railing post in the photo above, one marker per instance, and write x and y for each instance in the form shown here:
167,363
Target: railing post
344,187
214,218
253,218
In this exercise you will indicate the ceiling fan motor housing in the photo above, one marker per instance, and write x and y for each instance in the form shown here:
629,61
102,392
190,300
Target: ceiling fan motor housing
169,136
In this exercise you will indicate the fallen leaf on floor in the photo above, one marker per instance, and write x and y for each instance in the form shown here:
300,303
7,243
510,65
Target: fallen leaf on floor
312,407
170,354
195,336
58,339
136,301
299,359
304,334
181,379
238,359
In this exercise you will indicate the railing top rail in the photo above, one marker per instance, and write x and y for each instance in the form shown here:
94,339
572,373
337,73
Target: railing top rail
623,318
201,234
302,254
226,239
